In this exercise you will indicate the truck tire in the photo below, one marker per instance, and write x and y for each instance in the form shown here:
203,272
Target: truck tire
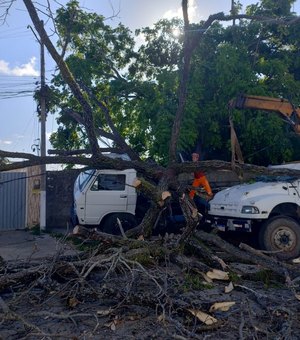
111,226
282,235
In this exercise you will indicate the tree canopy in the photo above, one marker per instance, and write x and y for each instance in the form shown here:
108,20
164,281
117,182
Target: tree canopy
139,84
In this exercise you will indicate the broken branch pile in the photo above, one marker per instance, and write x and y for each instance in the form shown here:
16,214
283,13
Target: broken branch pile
128,288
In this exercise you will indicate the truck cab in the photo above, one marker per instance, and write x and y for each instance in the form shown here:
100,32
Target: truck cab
107,199
269,206
103,196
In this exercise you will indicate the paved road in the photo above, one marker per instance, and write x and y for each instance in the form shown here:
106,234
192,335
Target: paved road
23,245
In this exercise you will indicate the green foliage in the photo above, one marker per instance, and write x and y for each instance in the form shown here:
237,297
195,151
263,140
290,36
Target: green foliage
234,277
269,279
86,245
269,8
35,230
66,136
195,282
94,52
162,49
264,136
140,85
253,59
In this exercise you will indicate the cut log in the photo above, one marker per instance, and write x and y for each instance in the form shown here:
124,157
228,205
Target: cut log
93,234
276,266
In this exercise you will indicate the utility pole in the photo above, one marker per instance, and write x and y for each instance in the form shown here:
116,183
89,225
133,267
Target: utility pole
43,134
233,11
43,141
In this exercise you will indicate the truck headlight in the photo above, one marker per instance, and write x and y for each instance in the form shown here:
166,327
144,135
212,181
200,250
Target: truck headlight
249,209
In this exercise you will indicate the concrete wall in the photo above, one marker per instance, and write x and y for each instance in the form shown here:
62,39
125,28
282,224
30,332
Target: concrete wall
59,197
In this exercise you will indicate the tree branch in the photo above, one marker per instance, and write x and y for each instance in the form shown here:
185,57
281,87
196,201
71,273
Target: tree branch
117,136
83,151
99,132
98,162
67,75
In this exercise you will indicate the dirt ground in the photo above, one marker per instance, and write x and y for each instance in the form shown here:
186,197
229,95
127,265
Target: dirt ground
110,292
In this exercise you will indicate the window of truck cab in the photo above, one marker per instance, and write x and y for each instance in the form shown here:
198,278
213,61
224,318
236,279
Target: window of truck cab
109,182
84,178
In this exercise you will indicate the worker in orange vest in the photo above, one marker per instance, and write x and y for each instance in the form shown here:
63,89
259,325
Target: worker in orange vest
200,180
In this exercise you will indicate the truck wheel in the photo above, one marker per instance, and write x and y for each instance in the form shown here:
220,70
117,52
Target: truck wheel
111,226
281,234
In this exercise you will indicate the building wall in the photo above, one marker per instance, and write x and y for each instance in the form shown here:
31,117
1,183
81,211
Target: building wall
59,197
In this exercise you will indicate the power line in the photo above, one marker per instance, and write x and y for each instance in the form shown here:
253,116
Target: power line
17,86
14,95
14,87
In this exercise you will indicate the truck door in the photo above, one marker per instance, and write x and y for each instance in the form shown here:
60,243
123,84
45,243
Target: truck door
107,194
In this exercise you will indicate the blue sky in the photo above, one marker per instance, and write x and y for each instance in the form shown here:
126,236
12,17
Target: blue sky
20,57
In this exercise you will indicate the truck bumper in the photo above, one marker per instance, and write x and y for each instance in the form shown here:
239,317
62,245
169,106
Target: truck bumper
229,224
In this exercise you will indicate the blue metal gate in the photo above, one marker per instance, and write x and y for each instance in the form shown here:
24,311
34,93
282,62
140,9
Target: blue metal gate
12,200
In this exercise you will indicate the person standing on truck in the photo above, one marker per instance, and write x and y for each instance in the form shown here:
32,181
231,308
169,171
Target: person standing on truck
200,180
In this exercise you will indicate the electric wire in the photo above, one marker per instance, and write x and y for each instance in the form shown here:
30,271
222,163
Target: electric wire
16,87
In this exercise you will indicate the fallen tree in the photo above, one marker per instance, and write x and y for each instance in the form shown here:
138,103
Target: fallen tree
164,178
119,287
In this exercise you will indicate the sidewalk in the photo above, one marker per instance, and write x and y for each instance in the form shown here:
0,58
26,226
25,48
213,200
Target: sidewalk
23,245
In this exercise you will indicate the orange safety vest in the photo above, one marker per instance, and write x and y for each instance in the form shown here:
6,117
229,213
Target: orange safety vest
200,180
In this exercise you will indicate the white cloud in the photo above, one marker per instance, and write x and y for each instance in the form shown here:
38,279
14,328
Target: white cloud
23,70
193,12
173,13
6,142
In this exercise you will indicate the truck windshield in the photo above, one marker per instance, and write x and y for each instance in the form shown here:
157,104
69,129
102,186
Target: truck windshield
84,178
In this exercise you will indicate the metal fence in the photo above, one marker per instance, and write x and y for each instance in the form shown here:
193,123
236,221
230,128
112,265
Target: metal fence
12,200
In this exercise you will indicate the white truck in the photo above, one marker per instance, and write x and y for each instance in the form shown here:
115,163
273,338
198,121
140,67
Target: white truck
270,207
102,197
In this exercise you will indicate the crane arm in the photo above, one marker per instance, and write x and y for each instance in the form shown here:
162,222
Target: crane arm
281,106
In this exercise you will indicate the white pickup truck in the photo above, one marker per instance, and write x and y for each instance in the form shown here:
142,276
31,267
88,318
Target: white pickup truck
271,207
